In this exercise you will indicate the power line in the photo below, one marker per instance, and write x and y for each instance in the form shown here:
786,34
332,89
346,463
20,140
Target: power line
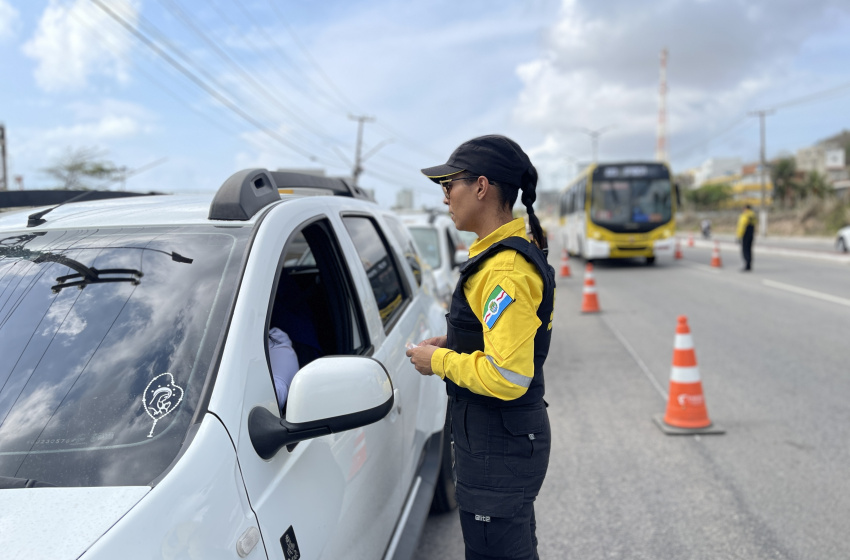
402,138
825,94
346,102
229,131
813,97
203,85
99,33
273,44
175,9
706,141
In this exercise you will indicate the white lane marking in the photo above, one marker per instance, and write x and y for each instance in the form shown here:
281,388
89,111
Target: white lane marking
637,359
807,292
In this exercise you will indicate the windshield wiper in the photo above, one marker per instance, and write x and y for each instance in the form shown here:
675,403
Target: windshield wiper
8,482
87,275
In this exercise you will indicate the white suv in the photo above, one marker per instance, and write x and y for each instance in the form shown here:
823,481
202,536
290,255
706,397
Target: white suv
442,249
138,416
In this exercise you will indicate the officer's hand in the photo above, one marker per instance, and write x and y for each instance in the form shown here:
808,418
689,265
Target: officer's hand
438,341
420,357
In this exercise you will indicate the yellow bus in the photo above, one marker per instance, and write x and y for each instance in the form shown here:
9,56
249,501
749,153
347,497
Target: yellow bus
620,210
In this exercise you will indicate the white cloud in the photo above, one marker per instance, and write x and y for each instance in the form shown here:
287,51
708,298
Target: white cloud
69,50
108,127
8,19
600,67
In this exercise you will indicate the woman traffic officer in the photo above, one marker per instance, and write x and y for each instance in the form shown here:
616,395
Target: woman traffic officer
491,358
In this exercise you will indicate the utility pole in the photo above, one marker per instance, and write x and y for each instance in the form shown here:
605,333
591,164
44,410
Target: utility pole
762,168
4,183
358,169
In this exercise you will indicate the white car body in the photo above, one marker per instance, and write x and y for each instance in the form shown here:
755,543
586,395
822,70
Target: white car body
355,493
842,239
441,247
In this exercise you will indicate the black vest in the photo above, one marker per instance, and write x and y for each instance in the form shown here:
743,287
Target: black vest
465,333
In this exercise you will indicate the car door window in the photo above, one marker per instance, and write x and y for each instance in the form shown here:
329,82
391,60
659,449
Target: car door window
381,268
314,302
411,255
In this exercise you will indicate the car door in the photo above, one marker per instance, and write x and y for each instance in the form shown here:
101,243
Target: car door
325,497
410,322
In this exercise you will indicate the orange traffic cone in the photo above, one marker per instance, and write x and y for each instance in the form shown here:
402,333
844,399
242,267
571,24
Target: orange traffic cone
589,302
690,240
678,254
565,268
715,256
686,411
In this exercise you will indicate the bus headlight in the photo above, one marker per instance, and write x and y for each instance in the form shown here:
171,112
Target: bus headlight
597,235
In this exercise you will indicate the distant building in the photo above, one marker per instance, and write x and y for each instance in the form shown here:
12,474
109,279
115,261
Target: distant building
404,199
716,168
828,158
746,186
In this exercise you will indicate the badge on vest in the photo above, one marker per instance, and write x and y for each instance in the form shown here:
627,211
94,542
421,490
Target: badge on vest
498,301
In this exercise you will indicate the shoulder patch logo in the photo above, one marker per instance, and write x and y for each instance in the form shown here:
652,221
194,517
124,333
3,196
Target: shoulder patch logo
498,301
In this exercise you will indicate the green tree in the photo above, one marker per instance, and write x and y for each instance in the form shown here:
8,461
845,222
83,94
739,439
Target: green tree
785,185
84,168
816,184
709,197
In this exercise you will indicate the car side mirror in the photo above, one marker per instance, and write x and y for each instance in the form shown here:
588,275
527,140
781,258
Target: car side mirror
461,256
328,395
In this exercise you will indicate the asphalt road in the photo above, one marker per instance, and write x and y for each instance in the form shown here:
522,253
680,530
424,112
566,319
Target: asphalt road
772,349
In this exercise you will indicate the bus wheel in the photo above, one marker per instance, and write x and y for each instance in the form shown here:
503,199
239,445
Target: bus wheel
650,261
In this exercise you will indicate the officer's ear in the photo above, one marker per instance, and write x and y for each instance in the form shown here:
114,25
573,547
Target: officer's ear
483,187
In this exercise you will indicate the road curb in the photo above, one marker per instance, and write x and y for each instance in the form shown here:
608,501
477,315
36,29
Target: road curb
779,251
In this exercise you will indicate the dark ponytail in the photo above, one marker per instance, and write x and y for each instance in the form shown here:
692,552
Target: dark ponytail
529,195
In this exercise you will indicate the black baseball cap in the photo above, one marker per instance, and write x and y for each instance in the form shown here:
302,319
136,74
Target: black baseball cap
496,157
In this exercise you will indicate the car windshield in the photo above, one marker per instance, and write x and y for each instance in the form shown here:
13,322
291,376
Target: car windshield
107,338
429,243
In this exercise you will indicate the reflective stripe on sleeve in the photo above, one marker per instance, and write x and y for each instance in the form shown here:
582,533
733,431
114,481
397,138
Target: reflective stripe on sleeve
511,376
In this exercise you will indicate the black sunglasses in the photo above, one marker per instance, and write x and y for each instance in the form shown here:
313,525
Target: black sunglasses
447,184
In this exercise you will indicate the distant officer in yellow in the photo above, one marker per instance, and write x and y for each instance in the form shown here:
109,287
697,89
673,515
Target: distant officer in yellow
498,332
746,232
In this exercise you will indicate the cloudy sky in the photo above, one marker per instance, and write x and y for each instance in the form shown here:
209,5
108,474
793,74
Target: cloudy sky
186,92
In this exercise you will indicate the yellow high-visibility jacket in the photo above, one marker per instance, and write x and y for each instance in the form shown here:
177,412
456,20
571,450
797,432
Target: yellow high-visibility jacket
509,344
747,218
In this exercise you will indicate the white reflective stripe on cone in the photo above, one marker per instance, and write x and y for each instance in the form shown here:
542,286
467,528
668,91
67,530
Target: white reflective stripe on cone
683,342
684,374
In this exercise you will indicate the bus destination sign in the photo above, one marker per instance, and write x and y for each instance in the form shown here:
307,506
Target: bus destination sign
631,171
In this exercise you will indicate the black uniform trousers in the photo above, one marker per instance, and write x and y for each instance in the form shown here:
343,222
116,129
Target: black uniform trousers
501,457
747,247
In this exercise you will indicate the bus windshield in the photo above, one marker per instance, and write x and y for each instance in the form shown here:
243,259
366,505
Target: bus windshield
636,200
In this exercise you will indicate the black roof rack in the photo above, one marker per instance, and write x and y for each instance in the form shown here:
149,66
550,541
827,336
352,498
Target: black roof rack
245,192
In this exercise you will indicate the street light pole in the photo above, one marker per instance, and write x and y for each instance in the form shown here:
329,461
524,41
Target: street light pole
594,138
